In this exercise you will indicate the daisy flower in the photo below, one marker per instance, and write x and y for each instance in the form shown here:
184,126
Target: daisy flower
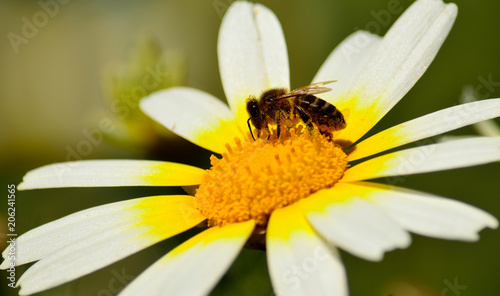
301,196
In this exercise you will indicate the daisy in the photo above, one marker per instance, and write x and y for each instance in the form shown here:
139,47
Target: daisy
301,196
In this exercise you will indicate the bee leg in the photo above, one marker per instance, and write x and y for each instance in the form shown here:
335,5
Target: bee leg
305,118
326,133
248,122
268,132
278,126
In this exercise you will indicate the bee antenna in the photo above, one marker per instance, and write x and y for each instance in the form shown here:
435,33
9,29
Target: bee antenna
248,123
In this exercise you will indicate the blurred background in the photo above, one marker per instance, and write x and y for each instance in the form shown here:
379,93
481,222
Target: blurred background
71,74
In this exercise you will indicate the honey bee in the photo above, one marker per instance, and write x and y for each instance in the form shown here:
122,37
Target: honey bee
277,105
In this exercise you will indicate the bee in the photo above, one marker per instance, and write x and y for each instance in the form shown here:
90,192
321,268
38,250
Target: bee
277,106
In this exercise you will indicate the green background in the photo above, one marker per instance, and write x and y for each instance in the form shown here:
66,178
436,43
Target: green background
55,87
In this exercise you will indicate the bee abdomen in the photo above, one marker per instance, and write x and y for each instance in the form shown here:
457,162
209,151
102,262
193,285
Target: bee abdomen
316,105
321,112
310,102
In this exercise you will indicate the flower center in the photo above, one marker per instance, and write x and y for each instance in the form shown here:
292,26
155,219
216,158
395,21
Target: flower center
256,177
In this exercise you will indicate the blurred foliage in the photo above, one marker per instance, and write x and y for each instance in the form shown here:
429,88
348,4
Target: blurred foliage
148,69
51,99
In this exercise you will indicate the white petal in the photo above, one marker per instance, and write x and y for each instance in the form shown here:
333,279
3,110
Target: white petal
403,56
346,63
486,128
194,115
194,267
353,224
252,55
427,126
107,173
300,263
83,242
427,214
429,158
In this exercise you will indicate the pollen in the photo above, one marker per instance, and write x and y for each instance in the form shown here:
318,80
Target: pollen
254,178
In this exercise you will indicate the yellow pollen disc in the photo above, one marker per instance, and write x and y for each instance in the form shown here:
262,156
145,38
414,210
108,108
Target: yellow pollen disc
256,177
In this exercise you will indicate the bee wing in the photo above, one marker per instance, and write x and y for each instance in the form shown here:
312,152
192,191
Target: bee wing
316,85
311,89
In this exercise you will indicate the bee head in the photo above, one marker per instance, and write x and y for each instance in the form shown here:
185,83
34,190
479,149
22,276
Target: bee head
254,111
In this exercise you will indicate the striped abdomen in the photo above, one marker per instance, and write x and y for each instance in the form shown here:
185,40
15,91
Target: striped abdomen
321,113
